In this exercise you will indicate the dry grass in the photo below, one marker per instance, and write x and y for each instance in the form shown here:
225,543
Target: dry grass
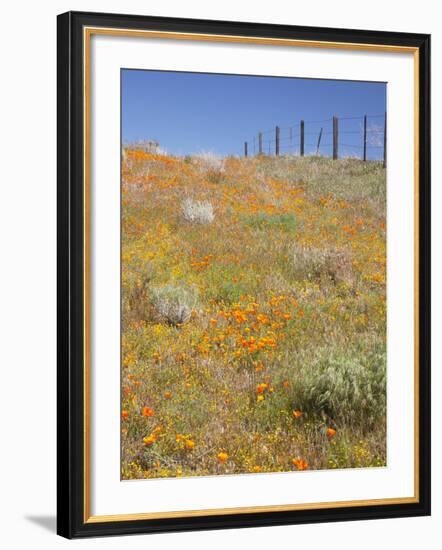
253,342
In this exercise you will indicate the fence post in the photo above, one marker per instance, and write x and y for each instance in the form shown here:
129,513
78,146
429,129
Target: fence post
277,141
319,141
335,137
260,143
245,149
385,140
301,147
365,138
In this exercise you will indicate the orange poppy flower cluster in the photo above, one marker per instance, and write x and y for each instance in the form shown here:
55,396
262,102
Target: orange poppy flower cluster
300,464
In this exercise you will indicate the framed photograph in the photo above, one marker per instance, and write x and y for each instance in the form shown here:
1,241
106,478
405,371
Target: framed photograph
243,274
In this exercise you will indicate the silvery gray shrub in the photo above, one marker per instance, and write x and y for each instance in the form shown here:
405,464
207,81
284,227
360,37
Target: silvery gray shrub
174,303
197,211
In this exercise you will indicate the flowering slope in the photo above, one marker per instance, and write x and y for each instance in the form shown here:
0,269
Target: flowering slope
253,330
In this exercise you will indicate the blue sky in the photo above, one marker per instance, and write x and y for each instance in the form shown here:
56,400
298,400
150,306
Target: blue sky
190,112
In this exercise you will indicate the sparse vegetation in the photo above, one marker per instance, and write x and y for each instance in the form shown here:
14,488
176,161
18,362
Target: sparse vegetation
322,264
254,315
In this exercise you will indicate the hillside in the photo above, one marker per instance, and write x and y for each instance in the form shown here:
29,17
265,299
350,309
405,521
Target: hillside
254,314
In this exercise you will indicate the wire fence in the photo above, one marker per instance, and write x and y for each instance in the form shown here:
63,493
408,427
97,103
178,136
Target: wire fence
363,137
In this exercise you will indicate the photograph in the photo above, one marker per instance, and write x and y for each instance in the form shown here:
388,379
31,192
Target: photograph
222,254
243,267
253,274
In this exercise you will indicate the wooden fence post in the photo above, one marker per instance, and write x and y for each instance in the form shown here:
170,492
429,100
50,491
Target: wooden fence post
245,149
260,143
385,140
277,141
365,138
301,147
319,141
335,137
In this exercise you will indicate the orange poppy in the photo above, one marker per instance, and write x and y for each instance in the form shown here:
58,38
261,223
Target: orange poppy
222,457
299,463
150,440
147,411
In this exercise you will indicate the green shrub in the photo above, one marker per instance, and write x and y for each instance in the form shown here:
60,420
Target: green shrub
348,389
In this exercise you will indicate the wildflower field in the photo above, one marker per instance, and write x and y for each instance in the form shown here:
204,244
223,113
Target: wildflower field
253,315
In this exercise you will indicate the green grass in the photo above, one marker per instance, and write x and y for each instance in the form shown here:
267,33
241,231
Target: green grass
285,222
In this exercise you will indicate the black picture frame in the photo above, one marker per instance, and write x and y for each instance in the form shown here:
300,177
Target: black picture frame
71,522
